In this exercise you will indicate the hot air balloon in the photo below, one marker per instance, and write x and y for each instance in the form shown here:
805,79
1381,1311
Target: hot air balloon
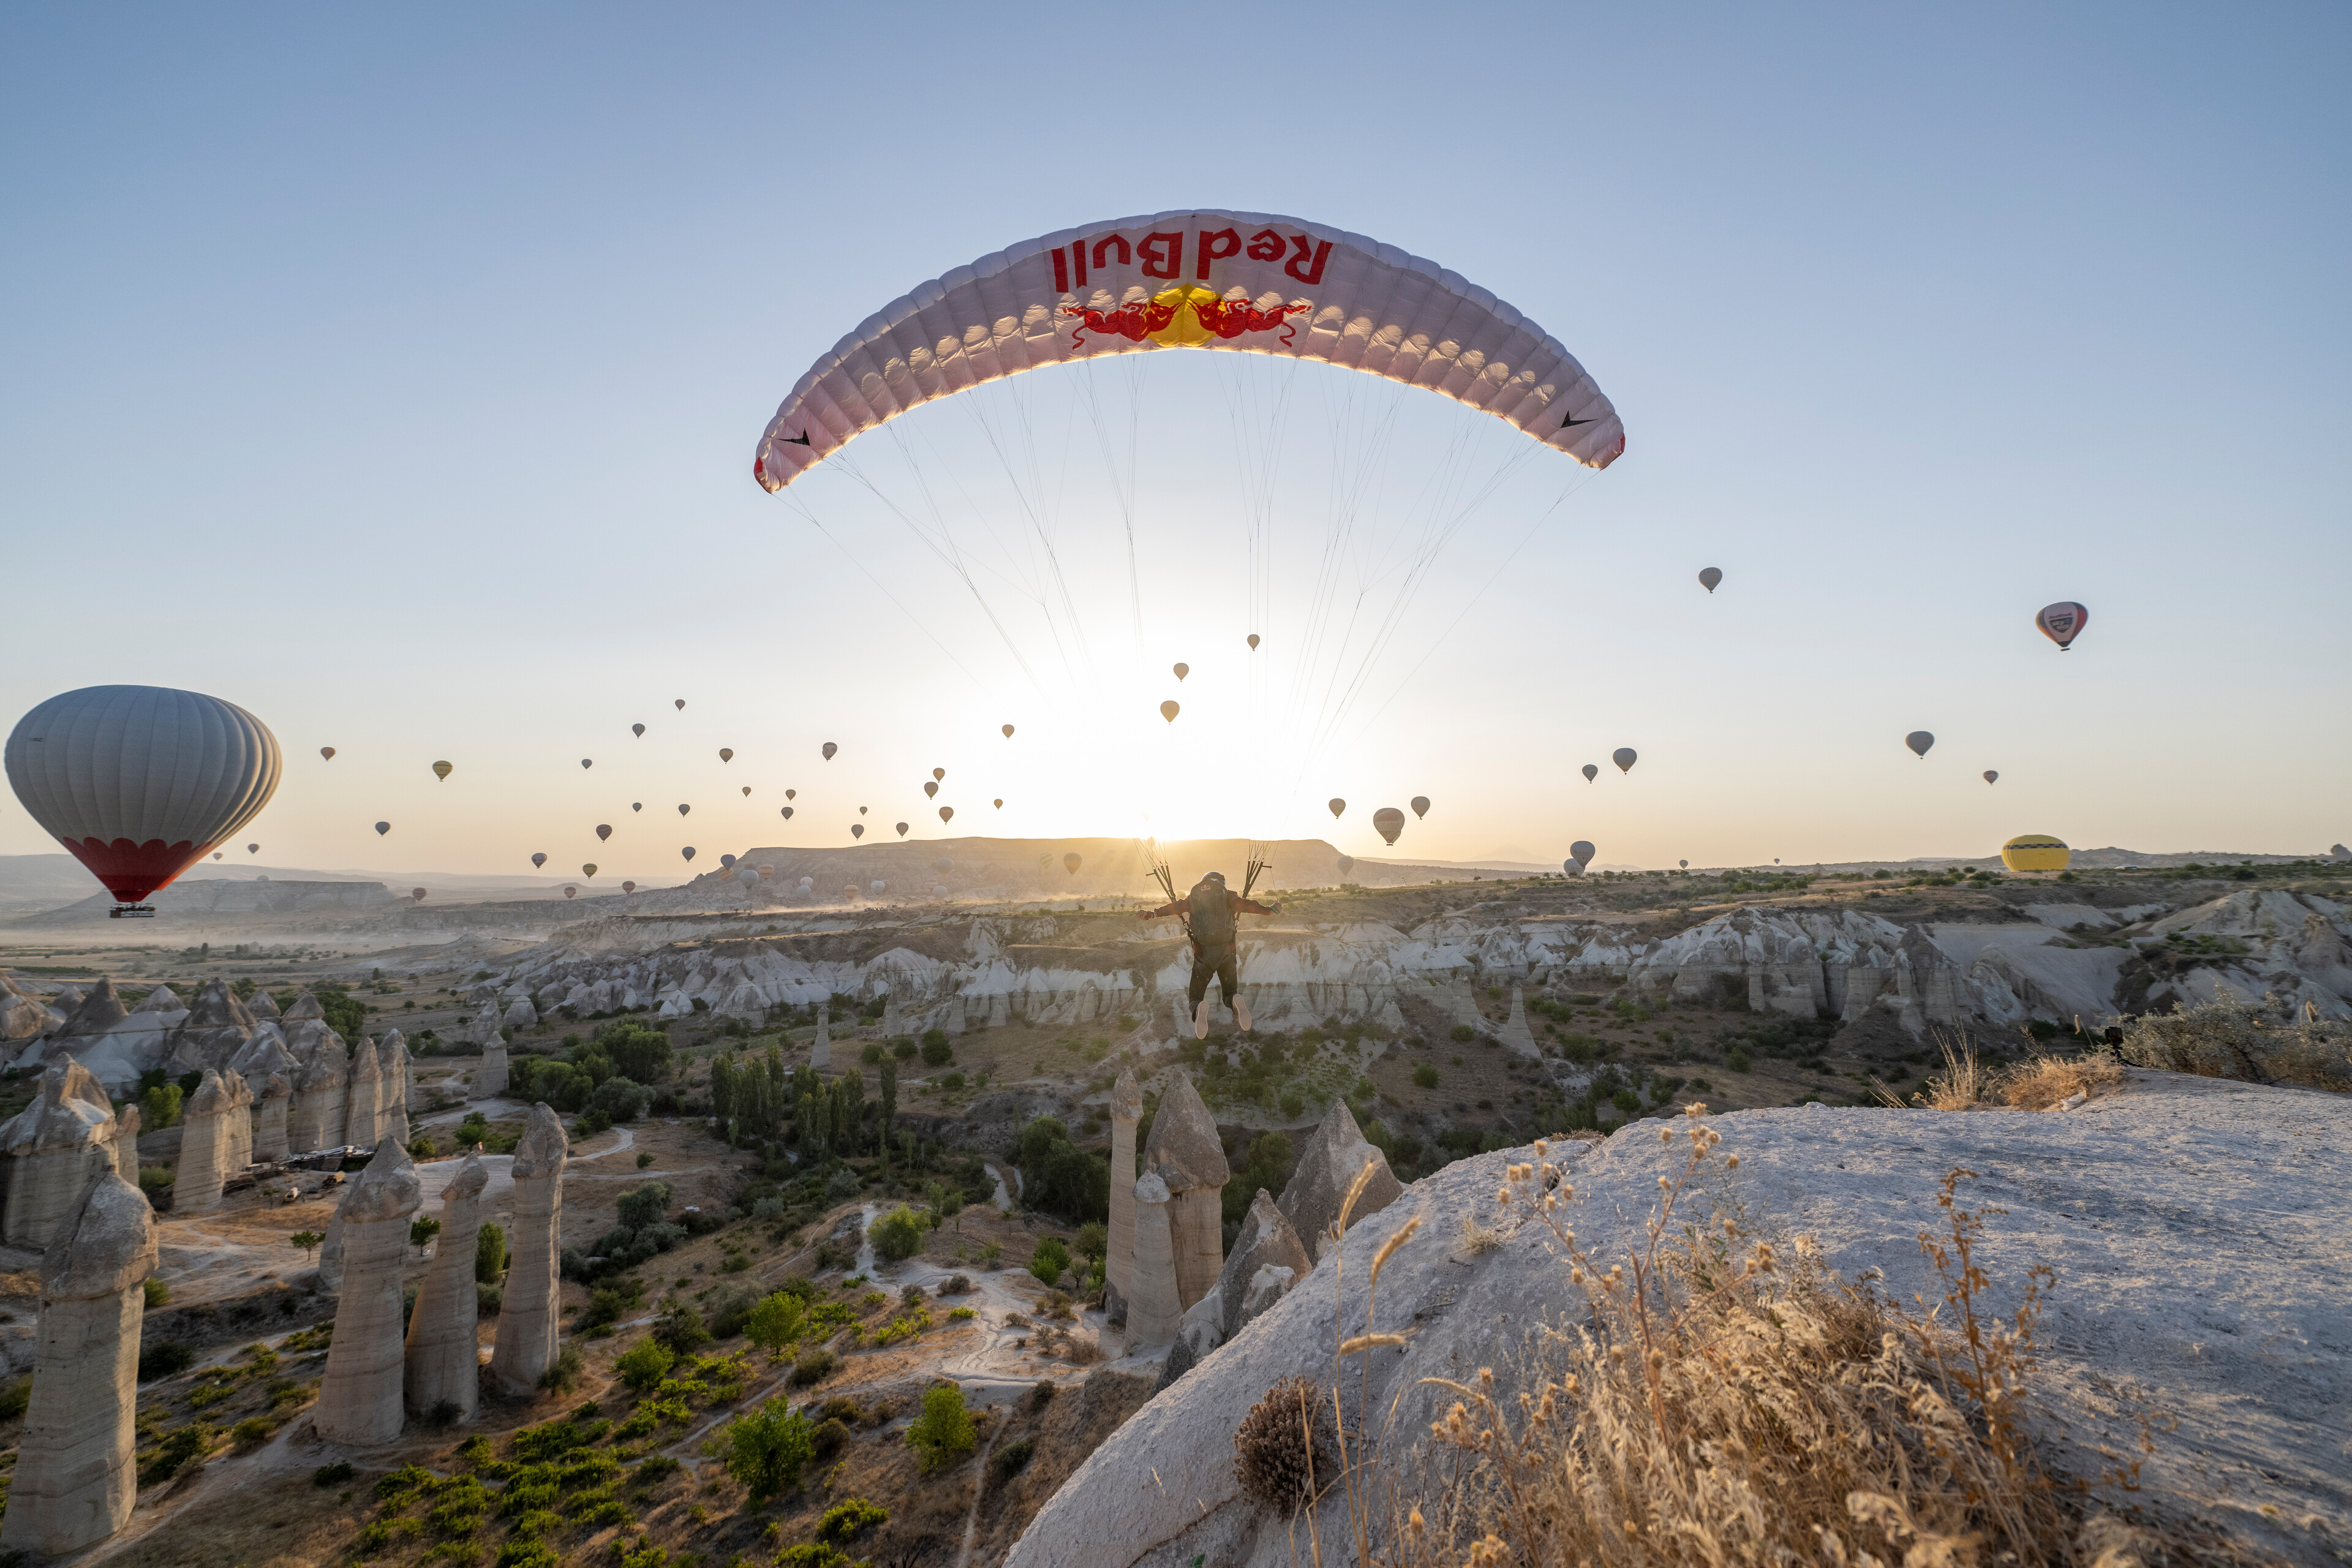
629,886
861,811
930,789
253,848
1624,759
587,761
1253,642
850,892
747,879
443,770
792,795
417,894
1420,804
946,813
1591,773
216,854
603,830
1008,732
829,749
687,851
747,792
681,703
1000,805
788,813
726,861
381,829
1685,865
902,829
2035,852
328,753
1919,740
2063,622
588,870
1389,823
857,830
808,884
570,892
537,860
1582,852
1709,577
1071,862
1347,864
875,886
1992,775
637,805
726,753
682,810
639,730
1337,805
937,773
1182,669
942,864
1168,711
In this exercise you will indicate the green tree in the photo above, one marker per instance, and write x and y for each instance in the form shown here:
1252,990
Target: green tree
942,1434
937,1052
1093,1240
489,1253
160,1107
767,1448
775,1322
1050,1261
1059,1177
637,1052
646,1364
421,1231
681,1328
308,1240
889,1098
645,1206
896,1235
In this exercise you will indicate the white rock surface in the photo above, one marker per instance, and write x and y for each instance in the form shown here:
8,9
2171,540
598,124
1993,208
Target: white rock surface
364,1097
490,1078
360,1399
216,1131
75,1479
2196,1226
53,1147
1326,1166
1184,1151
529,1321
1153,1310
1126,1112
444,1353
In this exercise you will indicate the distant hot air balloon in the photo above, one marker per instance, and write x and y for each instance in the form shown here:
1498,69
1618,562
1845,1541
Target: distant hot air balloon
1709,577
788,813
875,886
603,830
792,795
726,753
1008,732
1168,711
942,864
588,870
1389,823
2063,622
253,848
639,730
687,851
1337,805
1253,642
637,805
861,811
747,879
946,813
1071,862
857,830
902,829
681,703
726,861
587,761
850,892
1182,669
747,792
829,749
1685,865
1919,740
1992,775
443,770
2035,852
629,886
417,894
807,884
1591,773
328,753
1582,852
537,860
937,773
931,789
1420,804
216,854
1000,805
1347,864
570,892
683,809
381,829
1624,759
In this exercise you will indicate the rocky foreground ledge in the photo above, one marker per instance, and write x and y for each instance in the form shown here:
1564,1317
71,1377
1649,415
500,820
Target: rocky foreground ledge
2204,1280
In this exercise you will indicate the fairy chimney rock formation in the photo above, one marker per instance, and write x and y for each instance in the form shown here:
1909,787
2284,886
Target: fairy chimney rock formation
1333,1157
521,1014
99,1012
821,1048
316,1120
126,1143
529,1325
210,1143
482,1030
1185,1154
54,1146
443,1357
490,1078
392,1054
1126,1111
162,1000
306,1006
265,1006
1153,1310
364,1100
359,1398
76,1479
269,1145
1516,1035
1266,1240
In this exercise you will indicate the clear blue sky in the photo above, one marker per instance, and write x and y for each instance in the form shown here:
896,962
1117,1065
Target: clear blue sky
395,373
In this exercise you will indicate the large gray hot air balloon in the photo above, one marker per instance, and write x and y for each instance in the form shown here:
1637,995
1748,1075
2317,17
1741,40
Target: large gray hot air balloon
829,749
1388,822
139,782
1582,852
901,827
640,731
857,830
537,860
1709,577
942,864
1992,775
603,830
1625,758
1420,806
931,788
381,829
687,851
875,886
1590,772
1919,740
749,877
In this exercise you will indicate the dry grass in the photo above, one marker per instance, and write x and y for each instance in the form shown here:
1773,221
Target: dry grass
2233,1038
1725,1405
2047,1082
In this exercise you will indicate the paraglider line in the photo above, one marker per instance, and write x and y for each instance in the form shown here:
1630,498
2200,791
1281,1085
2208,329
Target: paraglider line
797,505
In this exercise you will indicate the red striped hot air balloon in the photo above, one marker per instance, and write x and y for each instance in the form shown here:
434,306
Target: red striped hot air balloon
2063,622
138,782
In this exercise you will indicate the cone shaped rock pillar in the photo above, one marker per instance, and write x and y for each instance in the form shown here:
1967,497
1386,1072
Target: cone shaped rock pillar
360,1399
444,1358
53,1147
529,1325
1126,1111
1186,1154
1152,1311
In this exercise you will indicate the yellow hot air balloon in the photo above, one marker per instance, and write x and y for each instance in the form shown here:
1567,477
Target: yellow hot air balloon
443,770
2035,852
589,869
1071,862
1168,711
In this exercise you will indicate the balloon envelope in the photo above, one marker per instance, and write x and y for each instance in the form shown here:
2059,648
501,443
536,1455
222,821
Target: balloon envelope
937,773
603,830
629,886
1624,759
1685,865
1253,642
726,753
443,770
587,761
1992,775
792,795
902,829
1168,711
2063,622
747,792
931,789
946,813
788,813
1584,852
681,701
1337,805
1389,823
570,892
1709,577
1008,732
748,878
1182,669
138,782
381,829
2035,852
640,731
1347,864
253,848
829,749
725,861
857,830
589,869
328,753
1420,806
1000,805
537,860
1590,772
1071,862
682,810
687,851
1919,740
416,893
637,805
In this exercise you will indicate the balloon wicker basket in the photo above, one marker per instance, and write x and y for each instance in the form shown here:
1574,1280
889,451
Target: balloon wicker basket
132,912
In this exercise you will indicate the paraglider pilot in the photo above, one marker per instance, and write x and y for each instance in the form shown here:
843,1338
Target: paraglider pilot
1208,912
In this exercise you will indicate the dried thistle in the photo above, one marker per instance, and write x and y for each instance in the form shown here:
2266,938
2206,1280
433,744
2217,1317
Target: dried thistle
1283,1443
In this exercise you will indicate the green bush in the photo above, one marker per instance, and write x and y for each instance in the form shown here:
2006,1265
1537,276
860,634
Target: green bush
1059,1177
489,1253
942,1434
180,1449
15,1399
1464,1033
646,1364
1738,1061
896,1235
812,1367
565,1371
681,1328
165,1358
937,1052
766,1449
332,1475
160,1107
1425,1075
644,1205
1050,1261
1009,1461
846,1521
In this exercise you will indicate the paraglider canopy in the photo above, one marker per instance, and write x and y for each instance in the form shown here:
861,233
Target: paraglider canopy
443,770
829,749
1919,740
1071,862
1168,711
1590,772
1709,577
2063,622
1625,758
1337,805
328,753
1389,823
539,859
603,830
1420,804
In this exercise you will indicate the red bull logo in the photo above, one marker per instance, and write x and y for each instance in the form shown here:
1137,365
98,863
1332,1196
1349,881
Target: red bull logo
1186,317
